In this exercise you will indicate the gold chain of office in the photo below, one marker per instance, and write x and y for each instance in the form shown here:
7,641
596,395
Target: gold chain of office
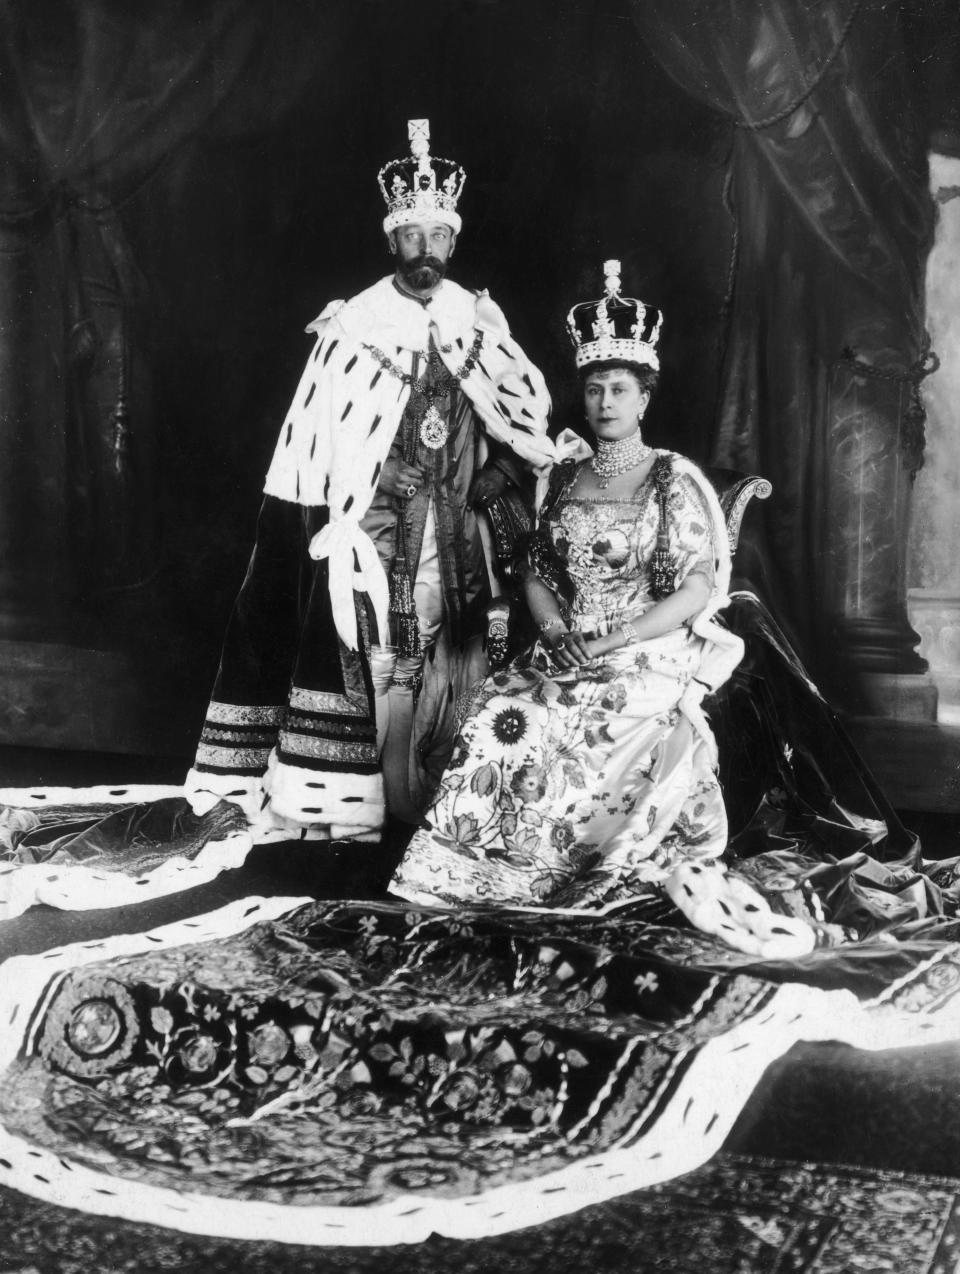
433,383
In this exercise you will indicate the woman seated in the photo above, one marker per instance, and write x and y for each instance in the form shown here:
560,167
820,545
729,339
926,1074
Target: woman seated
362,1072
585,774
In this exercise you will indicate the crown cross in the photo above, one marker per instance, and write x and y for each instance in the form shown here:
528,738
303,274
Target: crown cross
611,277
603,326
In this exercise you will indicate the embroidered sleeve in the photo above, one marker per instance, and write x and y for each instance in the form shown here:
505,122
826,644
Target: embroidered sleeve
691,538
543,560
536,551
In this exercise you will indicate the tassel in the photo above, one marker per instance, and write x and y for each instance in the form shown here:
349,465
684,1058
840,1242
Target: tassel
404,623
661,575
663,578
408,636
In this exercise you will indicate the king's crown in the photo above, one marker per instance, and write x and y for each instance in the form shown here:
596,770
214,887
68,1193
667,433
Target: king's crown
615,328
422,187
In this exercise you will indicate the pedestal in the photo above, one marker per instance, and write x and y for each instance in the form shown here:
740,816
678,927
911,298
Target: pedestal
906,696
871,455
936,615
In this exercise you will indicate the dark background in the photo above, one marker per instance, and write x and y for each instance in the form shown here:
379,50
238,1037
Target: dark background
576,148
236,233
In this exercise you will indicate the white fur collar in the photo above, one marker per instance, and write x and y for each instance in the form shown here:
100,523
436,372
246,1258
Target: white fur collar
382,315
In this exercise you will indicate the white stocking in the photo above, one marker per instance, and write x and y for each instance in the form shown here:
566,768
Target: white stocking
399,739
383,661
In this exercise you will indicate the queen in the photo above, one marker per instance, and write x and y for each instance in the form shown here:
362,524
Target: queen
586,773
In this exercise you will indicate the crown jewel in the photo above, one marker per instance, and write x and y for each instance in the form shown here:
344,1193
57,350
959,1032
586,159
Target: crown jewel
615,327
422,187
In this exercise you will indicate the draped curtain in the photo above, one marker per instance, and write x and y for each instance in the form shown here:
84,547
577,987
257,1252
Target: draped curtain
95,97
830,223
830,220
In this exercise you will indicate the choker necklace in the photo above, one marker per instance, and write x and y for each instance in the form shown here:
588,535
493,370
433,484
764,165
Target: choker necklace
619,456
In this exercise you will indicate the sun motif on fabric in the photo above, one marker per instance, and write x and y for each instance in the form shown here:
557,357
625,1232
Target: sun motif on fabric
510,726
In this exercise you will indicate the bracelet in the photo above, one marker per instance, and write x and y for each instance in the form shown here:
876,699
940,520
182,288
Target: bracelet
630,634
546,624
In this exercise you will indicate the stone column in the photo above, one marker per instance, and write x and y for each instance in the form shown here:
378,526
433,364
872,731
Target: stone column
869,465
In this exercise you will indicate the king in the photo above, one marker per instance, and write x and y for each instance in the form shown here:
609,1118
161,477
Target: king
358,627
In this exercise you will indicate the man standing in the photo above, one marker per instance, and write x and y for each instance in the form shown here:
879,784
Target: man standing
415,407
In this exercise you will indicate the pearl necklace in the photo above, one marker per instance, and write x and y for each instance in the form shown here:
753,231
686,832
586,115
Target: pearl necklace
618,456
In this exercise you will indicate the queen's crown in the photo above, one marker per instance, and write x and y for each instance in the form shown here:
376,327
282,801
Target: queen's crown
422,187
615,328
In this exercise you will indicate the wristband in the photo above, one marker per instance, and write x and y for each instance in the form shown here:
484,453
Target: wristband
546,624
630,634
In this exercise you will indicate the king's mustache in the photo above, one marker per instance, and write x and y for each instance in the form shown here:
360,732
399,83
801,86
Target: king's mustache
426,261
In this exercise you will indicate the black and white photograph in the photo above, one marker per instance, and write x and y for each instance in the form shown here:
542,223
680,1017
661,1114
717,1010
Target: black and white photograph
480,636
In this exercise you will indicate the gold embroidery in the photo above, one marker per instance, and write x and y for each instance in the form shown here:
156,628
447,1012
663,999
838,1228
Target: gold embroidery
324,701
242,714
341,729
262,738
233,758
328,749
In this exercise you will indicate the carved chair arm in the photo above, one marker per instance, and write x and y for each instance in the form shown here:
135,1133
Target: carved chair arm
734,504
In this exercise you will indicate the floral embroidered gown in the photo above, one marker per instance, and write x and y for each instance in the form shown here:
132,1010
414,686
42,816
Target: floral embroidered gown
583,788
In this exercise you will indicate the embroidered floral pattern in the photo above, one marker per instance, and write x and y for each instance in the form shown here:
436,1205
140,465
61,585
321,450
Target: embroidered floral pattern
349,1053
591,784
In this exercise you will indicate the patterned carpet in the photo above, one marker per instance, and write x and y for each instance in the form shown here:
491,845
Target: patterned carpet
735,1216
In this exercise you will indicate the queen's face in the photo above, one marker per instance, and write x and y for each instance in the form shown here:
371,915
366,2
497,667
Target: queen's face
615,402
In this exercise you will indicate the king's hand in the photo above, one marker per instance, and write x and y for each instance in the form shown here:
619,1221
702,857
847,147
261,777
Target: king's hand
487,485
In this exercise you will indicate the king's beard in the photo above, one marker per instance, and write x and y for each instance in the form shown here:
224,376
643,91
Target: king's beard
422,273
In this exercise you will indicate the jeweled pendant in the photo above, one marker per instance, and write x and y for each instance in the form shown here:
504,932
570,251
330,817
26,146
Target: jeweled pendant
433,429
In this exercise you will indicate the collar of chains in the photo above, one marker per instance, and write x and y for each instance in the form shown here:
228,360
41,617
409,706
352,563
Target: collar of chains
435,380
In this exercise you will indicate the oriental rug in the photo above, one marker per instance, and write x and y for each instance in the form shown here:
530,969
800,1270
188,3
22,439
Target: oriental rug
735,1215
